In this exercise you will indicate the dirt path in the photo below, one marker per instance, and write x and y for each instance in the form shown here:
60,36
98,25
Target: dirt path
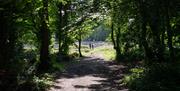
90,74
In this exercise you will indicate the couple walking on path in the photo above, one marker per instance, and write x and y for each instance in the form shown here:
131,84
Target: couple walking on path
91,45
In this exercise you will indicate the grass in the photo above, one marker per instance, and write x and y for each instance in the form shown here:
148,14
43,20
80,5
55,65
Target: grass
109,54
84,49
107,51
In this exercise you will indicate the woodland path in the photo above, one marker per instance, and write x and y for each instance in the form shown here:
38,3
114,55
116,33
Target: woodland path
91,74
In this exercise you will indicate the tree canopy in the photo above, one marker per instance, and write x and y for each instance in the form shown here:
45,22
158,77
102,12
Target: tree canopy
36,33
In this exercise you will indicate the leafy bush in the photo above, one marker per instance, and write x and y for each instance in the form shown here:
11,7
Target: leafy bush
158,77
134,55
36,83
135,74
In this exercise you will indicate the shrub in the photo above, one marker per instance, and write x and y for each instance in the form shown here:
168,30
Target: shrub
158,77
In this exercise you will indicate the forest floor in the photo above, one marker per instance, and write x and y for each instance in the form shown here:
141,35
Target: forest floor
91,73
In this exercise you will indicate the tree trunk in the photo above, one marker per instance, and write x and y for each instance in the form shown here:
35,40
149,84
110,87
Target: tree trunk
143,24
3,42
163,34
79,40
118,50
44,50
65,39
169,31
112,35
155,28
7,38
60,32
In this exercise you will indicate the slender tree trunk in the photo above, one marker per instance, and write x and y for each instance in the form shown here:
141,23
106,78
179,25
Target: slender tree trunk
163,34
169,31
162,40
112,35
143,24
148,52
60,32
65,39
79,40
155,26
44,50
118,50
157,42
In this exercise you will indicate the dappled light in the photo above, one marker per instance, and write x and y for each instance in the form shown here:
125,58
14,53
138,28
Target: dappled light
90,74
89,45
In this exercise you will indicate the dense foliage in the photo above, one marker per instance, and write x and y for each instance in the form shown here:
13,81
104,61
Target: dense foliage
141,30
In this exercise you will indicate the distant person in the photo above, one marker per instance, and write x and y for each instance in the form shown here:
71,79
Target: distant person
90,45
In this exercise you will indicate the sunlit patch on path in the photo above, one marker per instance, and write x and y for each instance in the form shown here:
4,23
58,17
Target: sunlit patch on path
90,74
83,83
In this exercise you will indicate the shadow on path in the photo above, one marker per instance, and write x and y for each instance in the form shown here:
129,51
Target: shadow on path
90,74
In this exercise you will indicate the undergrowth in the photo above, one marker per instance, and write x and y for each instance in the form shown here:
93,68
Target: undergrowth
157,77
